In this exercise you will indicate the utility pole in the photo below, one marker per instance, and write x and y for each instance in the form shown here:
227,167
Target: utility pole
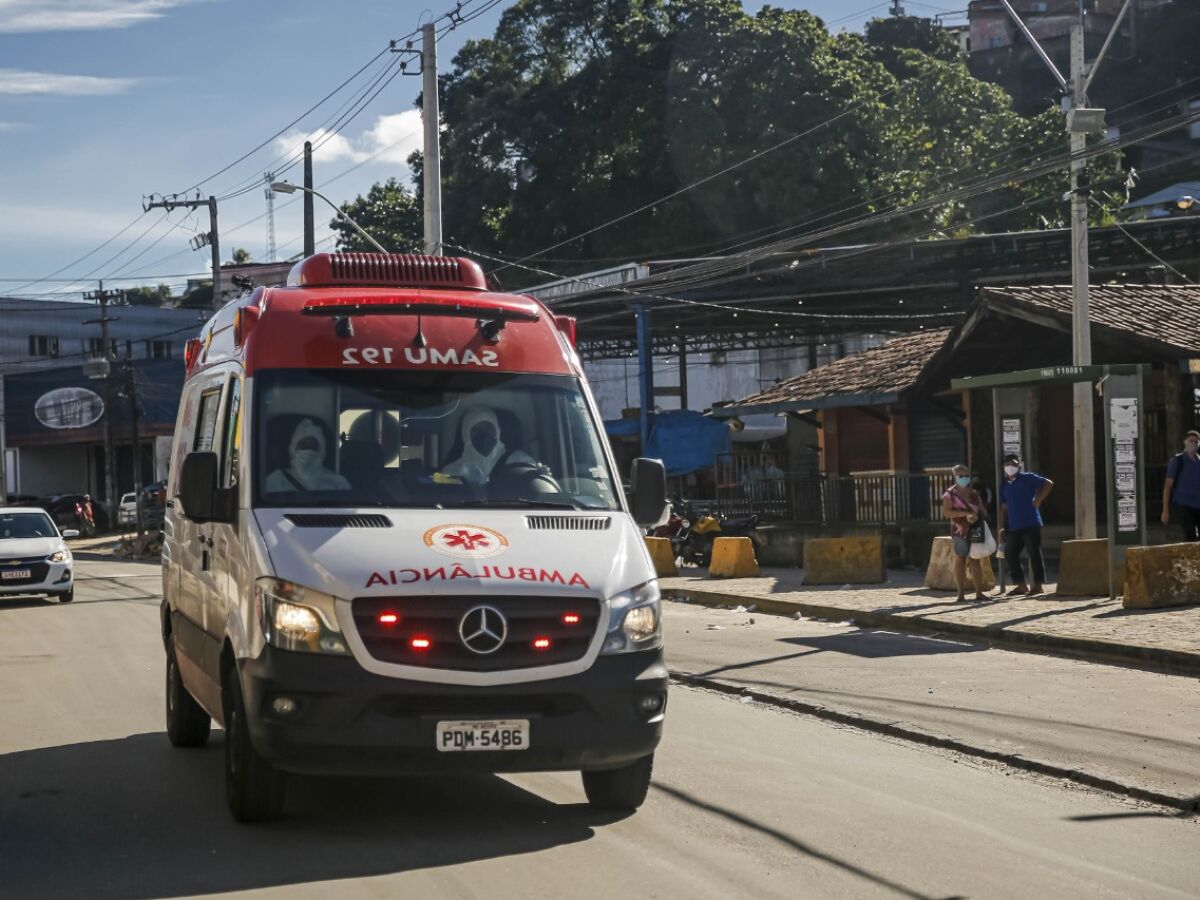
101,296
310,242
177,202
431,164
1081,120
1081,332
129,390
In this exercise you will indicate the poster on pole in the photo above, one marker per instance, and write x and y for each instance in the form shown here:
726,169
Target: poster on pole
1010,435
1123,429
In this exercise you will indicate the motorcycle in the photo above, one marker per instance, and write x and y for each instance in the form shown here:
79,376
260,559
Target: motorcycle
695,540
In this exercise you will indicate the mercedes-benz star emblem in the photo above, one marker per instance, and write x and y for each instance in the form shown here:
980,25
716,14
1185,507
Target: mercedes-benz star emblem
483,629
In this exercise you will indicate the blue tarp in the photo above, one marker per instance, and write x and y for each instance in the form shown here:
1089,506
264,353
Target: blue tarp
621,427
686,441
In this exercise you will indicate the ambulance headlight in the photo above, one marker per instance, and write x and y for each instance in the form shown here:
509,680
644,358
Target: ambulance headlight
636,622
293,617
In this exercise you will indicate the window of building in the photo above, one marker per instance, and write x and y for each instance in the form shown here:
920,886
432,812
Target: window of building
43,345
95,347
158,349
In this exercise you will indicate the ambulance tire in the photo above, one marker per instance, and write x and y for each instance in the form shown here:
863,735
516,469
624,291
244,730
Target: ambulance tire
188,725
619,789
254,788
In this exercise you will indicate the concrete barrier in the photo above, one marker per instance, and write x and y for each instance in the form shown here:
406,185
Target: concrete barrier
844,560
939,574
1168,575
662,556
1083,569
733,557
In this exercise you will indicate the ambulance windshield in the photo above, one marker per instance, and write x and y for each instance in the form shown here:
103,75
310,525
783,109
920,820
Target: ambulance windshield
387,438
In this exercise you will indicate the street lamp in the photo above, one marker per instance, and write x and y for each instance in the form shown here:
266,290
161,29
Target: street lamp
284,187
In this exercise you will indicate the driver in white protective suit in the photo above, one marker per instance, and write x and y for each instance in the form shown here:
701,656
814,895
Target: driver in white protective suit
482,448
306,469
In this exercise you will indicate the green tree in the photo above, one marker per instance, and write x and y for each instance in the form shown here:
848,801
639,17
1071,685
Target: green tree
241,256
389,213
580,111
148,296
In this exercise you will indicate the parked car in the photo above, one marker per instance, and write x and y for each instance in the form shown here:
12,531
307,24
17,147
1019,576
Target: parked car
127,509
33,556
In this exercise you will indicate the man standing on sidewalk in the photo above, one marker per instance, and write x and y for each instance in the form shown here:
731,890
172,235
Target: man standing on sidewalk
1182,488
1021,496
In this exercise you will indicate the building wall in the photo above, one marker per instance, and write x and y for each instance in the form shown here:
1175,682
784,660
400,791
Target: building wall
714,377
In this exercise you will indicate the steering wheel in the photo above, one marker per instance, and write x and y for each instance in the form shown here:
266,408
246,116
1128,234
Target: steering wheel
521,479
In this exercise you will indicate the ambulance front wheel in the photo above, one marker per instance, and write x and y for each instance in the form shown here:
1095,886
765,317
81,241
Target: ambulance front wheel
254,788
622,789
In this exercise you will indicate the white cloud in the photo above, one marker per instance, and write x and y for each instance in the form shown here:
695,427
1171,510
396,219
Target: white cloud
390,140
13,126
21,81
79,15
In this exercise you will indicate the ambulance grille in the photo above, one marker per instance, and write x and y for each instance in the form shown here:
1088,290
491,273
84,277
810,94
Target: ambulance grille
568,523
338,520
395,269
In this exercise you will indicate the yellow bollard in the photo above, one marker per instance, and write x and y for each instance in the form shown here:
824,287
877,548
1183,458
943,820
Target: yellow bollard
733,557
662,556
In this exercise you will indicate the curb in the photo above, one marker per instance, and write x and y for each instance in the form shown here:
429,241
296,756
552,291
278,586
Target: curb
1171,662
904,732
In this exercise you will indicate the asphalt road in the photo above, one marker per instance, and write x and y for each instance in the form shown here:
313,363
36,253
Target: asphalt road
1135,728
747,801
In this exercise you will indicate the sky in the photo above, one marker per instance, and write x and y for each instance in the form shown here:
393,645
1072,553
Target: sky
105,101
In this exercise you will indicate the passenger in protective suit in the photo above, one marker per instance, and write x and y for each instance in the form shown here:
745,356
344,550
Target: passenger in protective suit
482,448
306,469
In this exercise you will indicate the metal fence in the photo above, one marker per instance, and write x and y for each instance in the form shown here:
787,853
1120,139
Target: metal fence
861,499
868,498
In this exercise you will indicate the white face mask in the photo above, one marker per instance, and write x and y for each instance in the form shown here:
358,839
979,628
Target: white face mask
307,447
1010,471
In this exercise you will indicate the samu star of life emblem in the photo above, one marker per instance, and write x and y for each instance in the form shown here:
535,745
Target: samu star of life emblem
468,541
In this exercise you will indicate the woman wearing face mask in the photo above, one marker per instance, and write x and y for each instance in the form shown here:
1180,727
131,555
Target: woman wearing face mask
964,507
1021,496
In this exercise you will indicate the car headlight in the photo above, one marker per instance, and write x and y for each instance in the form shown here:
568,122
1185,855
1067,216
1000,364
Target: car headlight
59,556
636,622
293,617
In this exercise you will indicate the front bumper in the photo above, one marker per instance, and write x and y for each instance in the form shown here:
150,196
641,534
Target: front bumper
58,579
350,721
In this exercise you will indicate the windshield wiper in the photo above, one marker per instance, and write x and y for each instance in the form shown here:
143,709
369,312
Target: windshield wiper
521,503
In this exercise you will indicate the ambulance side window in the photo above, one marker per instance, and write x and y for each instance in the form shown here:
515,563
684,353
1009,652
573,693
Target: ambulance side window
206,423
232,434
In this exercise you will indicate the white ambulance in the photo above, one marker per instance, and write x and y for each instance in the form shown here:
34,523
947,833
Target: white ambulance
396,542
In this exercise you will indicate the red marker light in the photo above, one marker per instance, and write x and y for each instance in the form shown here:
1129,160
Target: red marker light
388,618
420,643
570,618
541,643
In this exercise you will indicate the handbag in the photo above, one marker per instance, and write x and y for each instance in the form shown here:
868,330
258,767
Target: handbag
987,546
977,531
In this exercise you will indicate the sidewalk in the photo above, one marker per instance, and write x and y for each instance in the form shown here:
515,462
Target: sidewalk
104,546
1090,628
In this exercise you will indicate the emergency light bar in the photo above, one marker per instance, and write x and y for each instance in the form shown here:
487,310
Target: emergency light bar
388,270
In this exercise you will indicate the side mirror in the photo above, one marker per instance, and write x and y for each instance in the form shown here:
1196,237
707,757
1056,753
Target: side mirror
70,533
648,494
198,486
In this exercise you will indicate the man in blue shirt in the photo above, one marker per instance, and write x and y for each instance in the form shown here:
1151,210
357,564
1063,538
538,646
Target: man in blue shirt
1021,496
1182,489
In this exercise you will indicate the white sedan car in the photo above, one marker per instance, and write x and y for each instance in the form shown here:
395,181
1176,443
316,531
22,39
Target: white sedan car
33,557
